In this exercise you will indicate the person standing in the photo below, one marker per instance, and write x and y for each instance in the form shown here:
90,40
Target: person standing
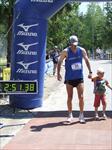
99,90
54,56
73,56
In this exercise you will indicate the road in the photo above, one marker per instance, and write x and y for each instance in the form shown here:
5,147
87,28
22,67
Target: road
55,106
57,99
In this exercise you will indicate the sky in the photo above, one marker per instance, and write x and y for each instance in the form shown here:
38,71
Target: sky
83,6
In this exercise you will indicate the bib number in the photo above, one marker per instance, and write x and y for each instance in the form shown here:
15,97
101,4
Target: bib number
76,66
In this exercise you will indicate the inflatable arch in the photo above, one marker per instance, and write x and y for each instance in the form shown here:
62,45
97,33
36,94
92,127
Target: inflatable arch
29,44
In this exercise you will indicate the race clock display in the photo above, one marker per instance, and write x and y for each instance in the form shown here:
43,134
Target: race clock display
18,87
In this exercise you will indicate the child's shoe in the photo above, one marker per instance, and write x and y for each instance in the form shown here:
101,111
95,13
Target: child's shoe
96,116
104,116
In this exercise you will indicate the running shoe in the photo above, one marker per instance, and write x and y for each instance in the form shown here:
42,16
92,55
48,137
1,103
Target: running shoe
104,116
81,118
96,116
70,119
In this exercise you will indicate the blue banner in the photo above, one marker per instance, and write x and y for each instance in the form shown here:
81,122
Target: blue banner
29,47
90,0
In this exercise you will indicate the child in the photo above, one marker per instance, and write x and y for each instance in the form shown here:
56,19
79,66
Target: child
99,90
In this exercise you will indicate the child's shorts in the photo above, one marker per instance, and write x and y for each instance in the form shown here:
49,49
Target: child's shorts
99,98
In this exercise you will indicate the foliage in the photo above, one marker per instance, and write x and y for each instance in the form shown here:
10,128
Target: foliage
6,15
89,27
94,22
108,26
61,26
94,28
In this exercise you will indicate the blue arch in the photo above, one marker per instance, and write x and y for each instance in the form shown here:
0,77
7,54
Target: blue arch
29,44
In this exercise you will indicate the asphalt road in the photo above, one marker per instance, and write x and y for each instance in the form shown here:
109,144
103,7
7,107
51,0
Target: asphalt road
57,99
56,102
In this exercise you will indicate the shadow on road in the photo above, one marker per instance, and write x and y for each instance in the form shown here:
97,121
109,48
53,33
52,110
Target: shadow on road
89,117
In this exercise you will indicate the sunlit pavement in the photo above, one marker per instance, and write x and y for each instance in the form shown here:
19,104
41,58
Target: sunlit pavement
57,100
48,130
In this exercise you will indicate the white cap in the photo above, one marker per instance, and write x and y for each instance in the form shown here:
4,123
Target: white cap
73,40
100,70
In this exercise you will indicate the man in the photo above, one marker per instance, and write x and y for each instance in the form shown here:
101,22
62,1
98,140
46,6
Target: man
74,74
54,56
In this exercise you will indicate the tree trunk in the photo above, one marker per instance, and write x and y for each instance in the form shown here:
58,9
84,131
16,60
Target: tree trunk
9,39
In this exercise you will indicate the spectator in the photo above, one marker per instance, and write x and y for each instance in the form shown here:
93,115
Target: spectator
54,56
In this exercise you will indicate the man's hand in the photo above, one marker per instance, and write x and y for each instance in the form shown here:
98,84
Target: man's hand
90,75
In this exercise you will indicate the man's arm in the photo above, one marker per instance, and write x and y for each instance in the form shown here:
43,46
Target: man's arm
60,61
87,62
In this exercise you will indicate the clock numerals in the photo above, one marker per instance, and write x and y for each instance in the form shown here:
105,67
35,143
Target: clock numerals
21,87
32,87
9,87
26,87
6,87
29,87
12,87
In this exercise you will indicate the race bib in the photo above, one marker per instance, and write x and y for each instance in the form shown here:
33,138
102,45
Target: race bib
76,66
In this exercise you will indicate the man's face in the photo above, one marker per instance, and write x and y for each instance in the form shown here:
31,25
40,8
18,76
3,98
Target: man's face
73,46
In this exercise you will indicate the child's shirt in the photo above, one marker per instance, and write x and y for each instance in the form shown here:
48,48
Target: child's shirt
99,85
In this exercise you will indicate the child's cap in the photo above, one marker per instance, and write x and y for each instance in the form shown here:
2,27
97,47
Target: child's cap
100,70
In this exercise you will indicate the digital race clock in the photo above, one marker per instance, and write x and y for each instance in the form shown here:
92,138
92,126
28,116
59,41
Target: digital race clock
18,87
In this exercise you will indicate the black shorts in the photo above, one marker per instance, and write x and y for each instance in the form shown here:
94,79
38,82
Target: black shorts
55,62
75,82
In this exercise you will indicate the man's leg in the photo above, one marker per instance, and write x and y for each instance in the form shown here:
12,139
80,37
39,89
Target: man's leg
69,89
80,91
54,69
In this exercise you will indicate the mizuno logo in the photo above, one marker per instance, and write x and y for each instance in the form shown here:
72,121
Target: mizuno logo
26,47
27,27
23,71
22,52
43,1
22,33
26,65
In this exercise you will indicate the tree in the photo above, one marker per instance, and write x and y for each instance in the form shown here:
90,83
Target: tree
108,26
93,22
61,26
6,15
